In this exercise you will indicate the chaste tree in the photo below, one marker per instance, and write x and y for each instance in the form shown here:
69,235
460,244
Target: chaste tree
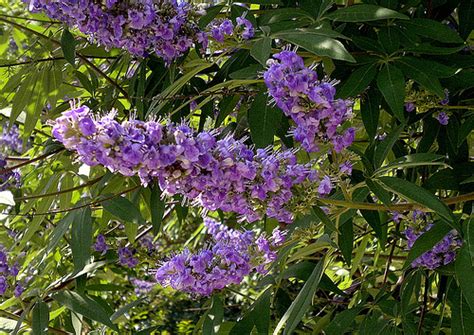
227,167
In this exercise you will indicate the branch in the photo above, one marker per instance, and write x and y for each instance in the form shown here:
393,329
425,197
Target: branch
395,207
11,168
79,55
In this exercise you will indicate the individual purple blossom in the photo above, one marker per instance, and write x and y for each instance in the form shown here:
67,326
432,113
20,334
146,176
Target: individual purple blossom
142,287
445,100
231,256
19,289
325,187
3,285
309,102
215,173
443,118
410,106
346,168
168,28
100,244
126,257
248,31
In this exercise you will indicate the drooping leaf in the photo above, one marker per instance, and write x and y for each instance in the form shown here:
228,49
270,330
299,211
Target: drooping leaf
317,44
81,237
464,274
157,208
419,195
262,49
85,306
68,45
391,83
364,12
432,29
40,319
427,241
264,120
342,321
298,308
123,209
213,317
357,81
370,111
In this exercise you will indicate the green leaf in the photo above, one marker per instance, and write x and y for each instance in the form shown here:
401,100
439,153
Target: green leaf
317,44
419,159
319,213
85,306
213,317
370,112
299,306
419,195
261,49
421,72
68,45
357,81
264,120
342,321
462,318
157,208
258,316
466,17
383,148
379,192
81,238
122,310
211,13
465,273
469,236
433,50
123,209
389,38
363,13
432,29
391,83
40,318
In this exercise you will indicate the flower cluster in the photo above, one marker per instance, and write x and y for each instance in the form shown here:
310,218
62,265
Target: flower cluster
142,287
220,28
166,27
423,101
231,256
309,102
443,253
8,274
212,173
10,142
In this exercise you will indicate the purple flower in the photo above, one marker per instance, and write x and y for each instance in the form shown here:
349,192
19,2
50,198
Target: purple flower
126,257
142,287
445,100
442,253
3,285
211,172
410,106
231,256
100,245
325,187
167,27
346,168
442,118
18,290
248,30
309,102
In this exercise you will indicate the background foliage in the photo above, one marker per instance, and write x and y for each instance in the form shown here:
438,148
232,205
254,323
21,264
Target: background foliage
345,272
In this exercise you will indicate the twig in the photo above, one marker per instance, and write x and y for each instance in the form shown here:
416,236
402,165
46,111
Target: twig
11,168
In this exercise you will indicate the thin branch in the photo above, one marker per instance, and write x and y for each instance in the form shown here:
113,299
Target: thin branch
38,196
395,207
28,162
15,317
79,55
